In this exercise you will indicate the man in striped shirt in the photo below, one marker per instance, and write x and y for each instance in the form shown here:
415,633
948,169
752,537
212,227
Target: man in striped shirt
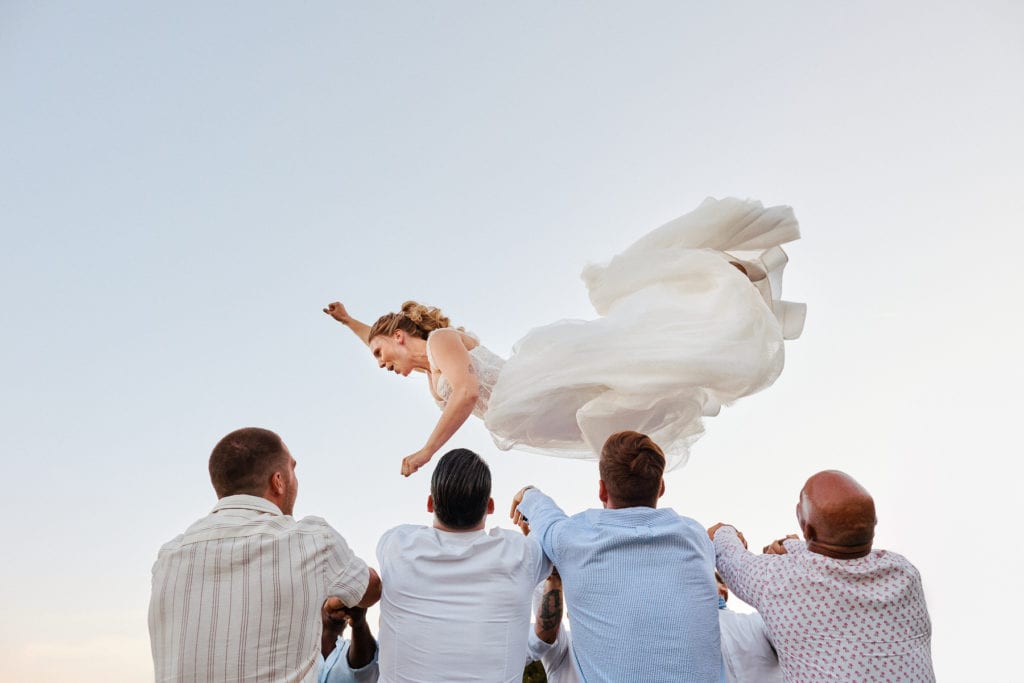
238,596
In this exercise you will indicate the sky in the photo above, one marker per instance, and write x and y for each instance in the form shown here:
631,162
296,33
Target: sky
184,186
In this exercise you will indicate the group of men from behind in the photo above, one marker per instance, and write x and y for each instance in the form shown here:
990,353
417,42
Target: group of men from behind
249,593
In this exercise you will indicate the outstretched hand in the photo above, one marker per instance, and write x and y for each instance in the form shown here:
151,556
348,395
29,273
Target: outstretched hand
337,311
776,547
413,462
713,530
517,517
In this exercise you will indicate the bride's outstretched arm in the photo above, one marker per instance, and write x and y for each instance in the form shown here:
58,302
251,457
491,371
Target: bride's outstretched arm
452,359
337,311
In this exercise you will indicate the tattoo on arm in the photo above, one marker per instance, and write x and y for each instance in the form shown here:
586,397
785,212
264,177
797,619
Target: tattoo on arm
550,610
472,369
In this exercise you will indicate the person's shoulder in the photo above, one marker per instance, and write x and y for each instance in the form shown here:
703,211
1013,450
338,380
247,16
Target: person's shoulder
444,335
403,533
312,521
171,545
672,516
312,524
895,559
513,537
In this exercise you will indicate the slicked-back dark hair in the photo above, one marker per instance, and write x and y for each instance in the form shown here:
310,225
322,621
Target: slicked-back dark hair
243,460
460,487
631,467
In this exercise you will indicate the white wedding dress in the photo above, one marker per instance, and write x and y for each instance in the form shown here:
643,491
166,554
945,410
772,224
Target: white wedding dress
682,331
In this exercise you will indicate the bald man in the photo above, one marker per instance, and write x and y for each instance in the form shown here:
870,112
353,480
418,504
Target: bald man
835,609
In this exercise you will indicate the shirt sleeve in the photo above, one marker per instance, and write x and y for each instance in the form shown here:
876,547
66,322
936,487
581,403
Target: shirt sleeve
535,647
544,517
337,669
742,570
794,545
347,575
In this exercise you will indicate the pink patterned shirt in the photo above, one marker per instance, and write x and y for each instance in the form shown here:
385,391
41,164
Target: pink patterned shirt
860,620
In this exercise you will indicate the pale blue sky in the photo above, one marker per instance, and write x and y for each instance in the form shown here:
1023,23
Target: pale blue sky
183,187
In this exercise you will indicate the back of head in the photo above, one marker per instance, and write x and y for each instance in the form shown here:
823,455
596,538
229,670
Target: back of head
243,461
414,319
839,512
631,468
461,488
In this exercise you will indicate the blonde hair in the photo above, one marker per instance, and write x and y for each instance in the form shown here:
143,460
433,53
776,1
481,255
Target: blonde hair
415,319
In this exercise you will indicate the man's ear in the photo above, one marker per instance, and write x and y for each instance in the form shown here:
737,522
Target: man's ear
430,504
277,484
602,491
490,506
661,491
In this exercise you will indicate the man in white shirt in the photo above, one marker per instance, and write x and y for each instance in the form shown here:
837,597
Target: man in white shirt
238,596
456,600
549,641
747,654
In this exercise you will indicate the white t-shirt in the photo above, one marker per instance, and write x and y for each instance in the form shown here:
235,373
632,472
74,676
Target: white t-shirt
556,657
456,605
746,651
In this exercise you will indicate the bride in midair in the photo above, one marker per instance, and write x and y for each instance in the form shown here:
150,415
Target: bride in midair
690,319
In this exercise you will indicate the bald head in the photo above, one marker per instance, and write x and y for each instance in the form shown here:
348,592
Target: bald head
836,515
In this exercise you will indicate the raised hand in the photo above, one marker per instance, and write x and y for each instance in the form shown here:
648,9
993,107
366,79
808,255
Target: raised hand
337,311
517,517
712,530
334,613
776,547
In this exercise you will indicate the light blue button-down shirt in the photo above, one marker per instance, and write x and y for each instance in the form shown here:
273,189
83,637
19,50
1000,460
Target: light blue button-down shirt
335,668
639,585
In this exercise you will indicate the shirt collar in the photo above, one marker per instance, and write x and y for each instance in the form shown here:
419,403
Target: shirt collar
246,502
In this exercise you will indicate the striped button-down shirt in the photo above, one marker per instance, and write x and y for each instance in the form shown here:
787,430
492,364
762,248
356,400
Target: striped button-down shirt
237,597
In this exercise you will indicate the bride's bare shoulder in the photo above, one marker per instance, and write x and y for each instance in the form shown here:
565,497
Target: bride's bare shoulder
468,339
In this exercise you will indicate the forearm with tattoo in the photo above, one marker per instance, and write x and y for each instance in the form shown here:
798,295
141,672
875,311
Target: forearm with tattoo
549,615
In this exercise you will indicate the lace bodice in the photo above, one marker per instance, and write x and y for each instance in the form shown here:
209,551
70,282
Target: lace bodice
487,365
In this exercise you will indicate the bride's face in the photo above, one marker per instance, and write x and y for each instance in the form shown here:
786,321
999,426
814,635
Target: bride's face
392,354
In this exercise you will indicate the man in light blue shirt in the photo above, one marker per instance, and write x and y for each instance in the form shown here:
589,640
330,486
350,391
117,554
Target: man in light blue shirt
342,660
639,582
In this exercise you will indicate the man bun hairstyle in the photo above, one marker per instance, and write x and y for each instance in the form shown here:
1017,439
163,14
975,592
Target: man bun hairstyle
631,467
460,488
415,319
243,461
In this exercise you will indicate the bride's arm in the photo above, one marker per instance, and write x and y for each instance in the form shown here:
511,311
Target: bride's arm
452,359
338,312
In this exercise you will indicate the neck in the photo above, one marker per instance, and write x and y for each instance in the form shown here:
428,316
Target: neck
418,353
839,552
612,504
438,524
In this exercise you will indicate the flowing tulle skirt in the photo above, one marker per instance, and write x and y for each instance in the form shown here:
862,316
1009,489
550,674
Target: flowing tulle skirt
682,331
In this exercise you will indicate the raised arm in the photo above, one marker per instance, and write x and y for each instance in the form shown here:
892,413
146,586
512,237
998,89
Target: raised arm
543,516
362,645
337,311
743,571
452,359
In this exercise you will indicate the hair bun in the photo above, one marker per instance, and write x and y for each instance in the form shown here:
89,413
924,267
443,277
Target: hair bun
647,460
427,318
